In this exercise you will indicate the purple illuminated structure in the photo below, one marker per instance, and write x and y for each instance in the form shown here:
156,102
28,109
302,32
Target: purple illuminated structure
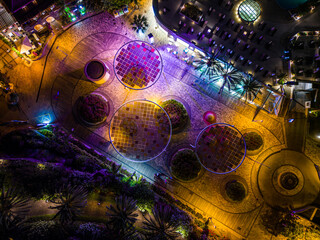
221,148
138,65
140,130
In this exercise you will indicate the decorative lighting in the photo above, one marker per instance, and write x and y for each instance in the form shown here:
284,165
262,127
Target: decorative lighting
249,10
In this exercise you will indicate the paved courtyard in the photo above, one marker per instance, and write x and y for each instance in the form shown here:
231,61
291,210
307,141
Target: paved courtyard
53,84
63,83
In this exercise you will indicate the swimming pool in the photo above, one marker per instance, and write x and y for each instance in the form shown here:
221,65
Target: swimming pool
290,4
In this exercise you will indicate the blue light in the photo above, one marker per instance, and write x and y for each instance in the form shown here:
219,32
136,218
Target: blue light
45,119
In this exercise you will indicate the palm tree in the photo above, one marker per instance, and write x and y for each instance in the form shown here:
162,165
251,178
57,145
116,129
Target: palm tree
231,77
13,210
249,87
161,226
139,23
209,64
115,170
121,217
69,203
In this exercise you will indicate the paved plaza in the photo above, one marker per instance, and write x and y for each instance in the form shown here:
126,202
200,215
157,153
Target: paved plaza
54,83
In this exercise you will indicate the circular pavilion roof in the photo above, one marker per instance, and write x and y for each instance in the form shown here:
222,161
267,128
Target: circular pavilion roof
220,148
137,65
249,10
288,179
140,130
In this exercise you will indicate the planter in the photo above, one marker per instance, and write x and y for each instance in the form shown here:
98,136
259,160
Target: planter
177,113
92,109
96,71
184,165
12,98
235,191
254,141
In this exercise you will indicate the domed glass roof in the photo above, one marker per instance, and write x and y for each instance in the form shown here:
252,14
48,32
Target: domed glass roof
249,10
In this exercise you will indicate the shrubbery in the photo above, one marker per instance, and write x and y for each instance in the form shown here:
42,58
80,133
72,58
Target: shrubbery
253,141
185,165
235,191
44,230
92,108
40,179
90,230
177,113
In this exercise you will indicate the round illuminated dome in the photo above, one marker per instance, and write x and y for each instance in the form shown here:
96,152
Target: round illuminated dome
249,10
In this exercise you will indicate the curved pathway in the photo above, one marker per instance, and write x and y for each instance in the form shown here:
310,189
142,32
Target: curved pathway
202,195
101,36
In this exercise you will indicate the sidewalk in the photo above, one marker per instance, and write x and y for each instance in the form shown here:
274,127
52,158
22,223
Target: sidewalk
64,71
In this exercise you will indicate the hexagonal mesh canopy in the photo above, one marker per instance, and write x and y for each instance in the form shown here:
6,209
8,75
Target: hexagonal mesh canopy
220,148
137,65
140,130
249,10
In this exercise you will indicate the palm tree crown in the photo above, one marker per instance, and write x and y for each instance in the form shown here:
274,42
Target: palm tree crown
122,216
13,210
209,64
161,226
249,87
139,23
231,77
70,203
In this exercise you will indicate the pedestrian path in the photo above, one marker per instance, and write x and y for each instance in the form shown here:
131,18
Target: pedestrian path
191,78
296,130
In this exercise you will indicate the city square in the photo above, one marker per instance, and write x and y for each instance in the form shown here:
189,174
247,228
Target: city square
203,116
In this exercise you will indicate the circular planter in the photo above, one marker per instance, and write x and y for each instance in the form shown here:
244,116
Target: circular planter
184,165
234,189
254,141
93,109
96,71
178,114
12,98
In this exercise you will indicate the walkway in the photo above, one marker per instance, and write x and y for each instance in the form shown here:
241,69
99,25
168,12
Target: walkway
70,85
296,131
63,83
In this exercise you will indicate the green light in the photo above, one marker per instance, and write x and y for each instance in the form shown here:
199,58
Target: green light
249,10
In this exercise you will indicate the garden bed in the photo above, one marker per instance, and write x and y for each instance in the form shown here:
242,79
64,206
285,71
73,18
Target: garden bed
254,141
177,113
39,179
92,109
184,165
235,191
